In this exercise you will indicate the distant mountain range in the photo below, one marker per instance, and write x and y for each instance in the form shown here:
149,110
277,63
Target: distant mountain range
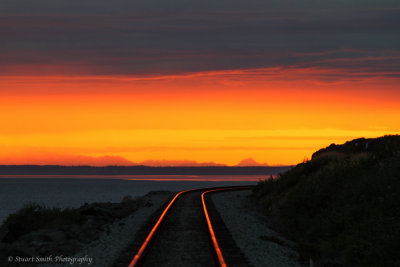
109,160
138,170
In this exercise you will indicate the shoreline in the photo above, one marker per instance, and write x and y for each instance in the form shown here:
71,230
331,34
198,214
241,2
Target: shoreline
261,245
72,193
109,238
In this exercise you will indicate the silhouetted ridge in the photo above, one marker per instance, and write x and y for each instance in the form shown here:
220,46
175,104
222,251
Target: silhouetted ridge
342,207
385,146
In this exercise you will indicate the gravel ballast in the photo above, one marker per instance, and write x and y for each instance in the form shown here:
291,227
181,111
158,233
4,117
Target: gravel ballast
251,233
104,251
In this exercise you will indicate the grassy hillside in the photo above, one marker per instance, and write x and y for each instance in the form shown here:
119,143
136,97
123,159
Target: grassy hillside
342,206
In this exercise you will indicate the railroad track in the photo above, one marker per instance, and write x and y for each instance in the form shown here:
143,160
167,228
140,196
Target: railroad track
189,232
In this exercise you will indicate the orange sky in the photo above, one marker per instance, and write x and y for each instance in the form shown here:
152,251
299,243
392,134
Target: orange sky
274,115
122,82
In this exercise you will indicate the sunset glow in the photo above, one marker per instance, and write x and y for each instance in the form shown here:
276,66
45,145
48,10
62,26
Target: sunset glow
215,119
69,102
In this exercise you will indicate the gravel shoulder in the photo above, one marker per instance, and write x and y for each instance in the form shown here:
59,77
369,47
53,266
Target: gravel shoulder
261,245
103,250
107,248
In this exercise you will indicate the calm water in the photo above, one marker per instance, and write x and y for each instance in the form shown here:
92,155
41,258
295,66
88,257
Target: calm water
75,190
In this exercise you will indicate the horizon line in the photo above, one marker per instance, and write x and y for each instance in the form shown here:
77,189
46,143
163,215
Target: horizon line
149,166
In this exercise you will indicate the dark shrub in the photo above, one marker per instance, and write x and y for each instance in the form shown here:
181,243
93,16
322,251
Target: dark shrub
343,204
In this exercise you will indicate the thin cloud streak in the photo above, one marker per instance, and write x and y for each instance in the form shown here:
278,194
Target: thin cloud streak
291,138
101,150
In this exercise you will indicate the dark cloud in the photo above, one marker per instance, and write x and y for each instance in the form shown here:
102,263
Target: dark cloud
159,37
117,6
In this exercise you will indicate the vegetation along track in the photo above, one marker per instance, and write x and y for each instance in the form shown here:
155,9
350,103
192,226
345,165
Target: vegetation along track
190,232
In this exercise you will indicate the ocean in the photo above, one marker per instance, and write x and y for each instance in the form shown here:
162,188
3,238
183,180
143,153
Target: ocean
74,190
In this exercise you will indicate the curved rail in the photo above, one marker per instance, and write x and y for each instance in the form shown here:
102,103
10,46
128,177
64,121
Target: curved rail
153,230
210,228
145,244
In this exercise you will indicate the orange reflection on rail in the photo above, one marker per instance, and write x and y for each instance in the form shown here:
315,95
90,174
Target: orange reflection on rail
153,230
210,228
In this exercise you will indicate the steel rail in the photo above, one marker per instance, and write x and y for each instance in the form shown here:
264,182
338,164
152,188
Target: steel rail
217,248
145,244
154,229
